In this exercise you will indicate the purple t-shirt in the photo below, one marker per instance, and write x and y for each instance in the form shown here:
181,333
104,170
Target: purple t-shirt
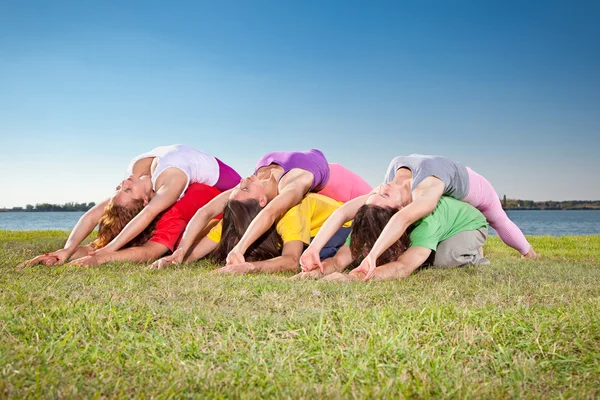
313,161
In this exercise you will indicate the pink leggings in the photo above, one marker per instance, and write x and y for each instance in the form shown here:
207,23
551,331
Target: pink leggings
483,197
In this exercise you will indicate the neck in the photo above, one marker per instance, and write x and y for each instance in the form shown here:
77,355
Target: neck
272,170
272,188
406,195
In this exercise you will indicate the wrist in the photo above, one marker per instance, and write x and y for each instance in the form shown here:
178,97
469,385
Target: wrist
241,247
101,258
336,268
253,268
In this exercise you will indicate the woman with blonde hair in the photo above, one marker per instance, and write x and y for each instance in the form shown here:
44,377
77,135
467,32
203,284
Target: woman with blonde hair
156,180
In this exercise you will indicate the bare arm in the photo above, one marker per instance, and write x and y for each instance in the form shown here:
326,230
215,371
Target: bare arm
84,227
200,220
165,197
338,218
203,248
288,261
342,259
310,258
425,199
331,265
290,196
408,262
147,252
72,248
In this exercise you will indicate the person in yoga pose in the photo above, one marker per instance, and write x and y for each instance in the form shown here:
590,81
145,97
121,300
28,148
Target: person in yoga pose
413,185
280,182
279,248
451,236
156,180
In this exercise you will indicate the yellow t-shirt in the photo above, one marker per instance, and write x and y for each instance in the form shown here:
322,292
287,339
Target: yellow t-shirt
301,222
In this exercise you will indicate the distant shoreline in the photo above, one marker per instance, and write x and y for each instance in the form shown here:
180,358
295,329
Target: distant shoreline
552,209
34,211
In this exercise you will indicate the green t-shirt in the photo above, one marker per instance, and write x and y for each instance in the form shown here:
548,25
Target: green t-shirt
450,217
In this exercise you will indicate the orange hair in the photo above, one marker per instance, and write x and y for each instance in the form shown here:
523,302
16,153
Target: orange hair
114,219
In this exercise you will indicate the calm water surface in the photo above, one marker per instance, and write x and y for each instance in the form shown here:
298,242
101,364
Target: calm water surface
534,222
556,222
34,221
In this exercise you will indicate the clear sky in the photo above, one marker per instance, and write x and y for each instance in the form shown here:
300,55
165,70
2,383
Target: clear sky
509,88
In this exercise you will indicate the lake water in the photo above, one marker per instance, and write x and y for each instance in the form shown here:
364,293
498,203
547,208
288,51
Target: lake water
534,222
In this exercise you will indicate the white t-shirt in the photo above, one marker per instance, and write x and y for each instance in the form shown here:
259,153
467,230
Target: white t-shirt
197,166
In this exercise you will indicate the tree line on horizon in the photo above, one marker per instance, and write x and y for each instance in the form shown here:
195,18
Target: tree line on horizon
45,207
516,204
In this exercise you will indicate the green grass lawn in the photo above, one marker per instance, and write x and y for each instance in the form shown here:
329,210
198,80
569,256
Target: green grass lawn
512,329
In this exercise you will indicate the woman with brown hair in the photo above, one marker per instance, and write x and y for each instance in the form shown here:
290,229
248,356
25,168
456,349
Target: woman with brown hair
278,249
451,236
280,181
413,185
156,180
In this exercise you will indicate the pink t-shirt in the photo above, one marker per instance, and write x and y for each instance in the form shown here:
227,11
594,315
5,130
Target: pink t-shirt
344,185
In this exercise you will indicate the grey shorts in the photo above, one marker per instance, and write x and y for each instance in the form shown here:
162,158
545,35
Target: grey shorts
461,249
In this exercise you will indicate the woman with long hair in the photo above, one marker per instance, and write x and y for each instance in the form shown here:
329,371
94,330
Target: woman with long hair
413,185
276,250
280,182
452,235
156,180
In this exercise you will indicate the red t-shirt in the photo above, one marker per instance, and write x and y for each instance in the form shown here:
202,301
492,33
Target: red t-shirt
170,226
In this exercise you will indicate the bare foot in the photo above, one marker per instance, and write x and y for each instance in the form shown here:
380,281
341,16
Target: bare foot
531,254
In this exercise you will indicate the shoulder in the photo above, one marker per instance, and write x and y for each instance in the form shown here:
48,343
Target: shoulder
296,179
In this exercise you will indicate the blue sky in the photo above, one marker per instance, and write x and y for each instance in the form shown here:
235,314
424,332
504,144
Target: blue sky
511,89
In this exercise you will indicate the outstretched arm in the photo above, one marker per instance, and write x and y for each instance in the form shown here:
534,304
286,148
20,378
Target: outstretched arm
149,251
203,248
425,199
165,197
408,262
52,259
72,248
291,195
85,226
200,221
310,258
287,261
412,259
332,265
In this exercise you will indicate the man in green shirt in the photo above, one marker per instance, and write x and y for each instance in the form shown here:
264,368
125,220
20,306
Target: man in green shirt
455,231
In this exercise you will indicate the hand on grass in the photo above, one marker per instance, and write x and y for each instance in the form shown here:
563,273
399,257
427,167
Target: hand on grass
86,261
174,259
55,258
235,256
366,267
242,268
339,277
310,260
315,274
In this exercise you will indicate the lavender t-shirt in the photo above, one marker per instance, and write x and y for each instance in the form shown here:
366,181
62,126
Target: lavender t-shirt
453,174
313,161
